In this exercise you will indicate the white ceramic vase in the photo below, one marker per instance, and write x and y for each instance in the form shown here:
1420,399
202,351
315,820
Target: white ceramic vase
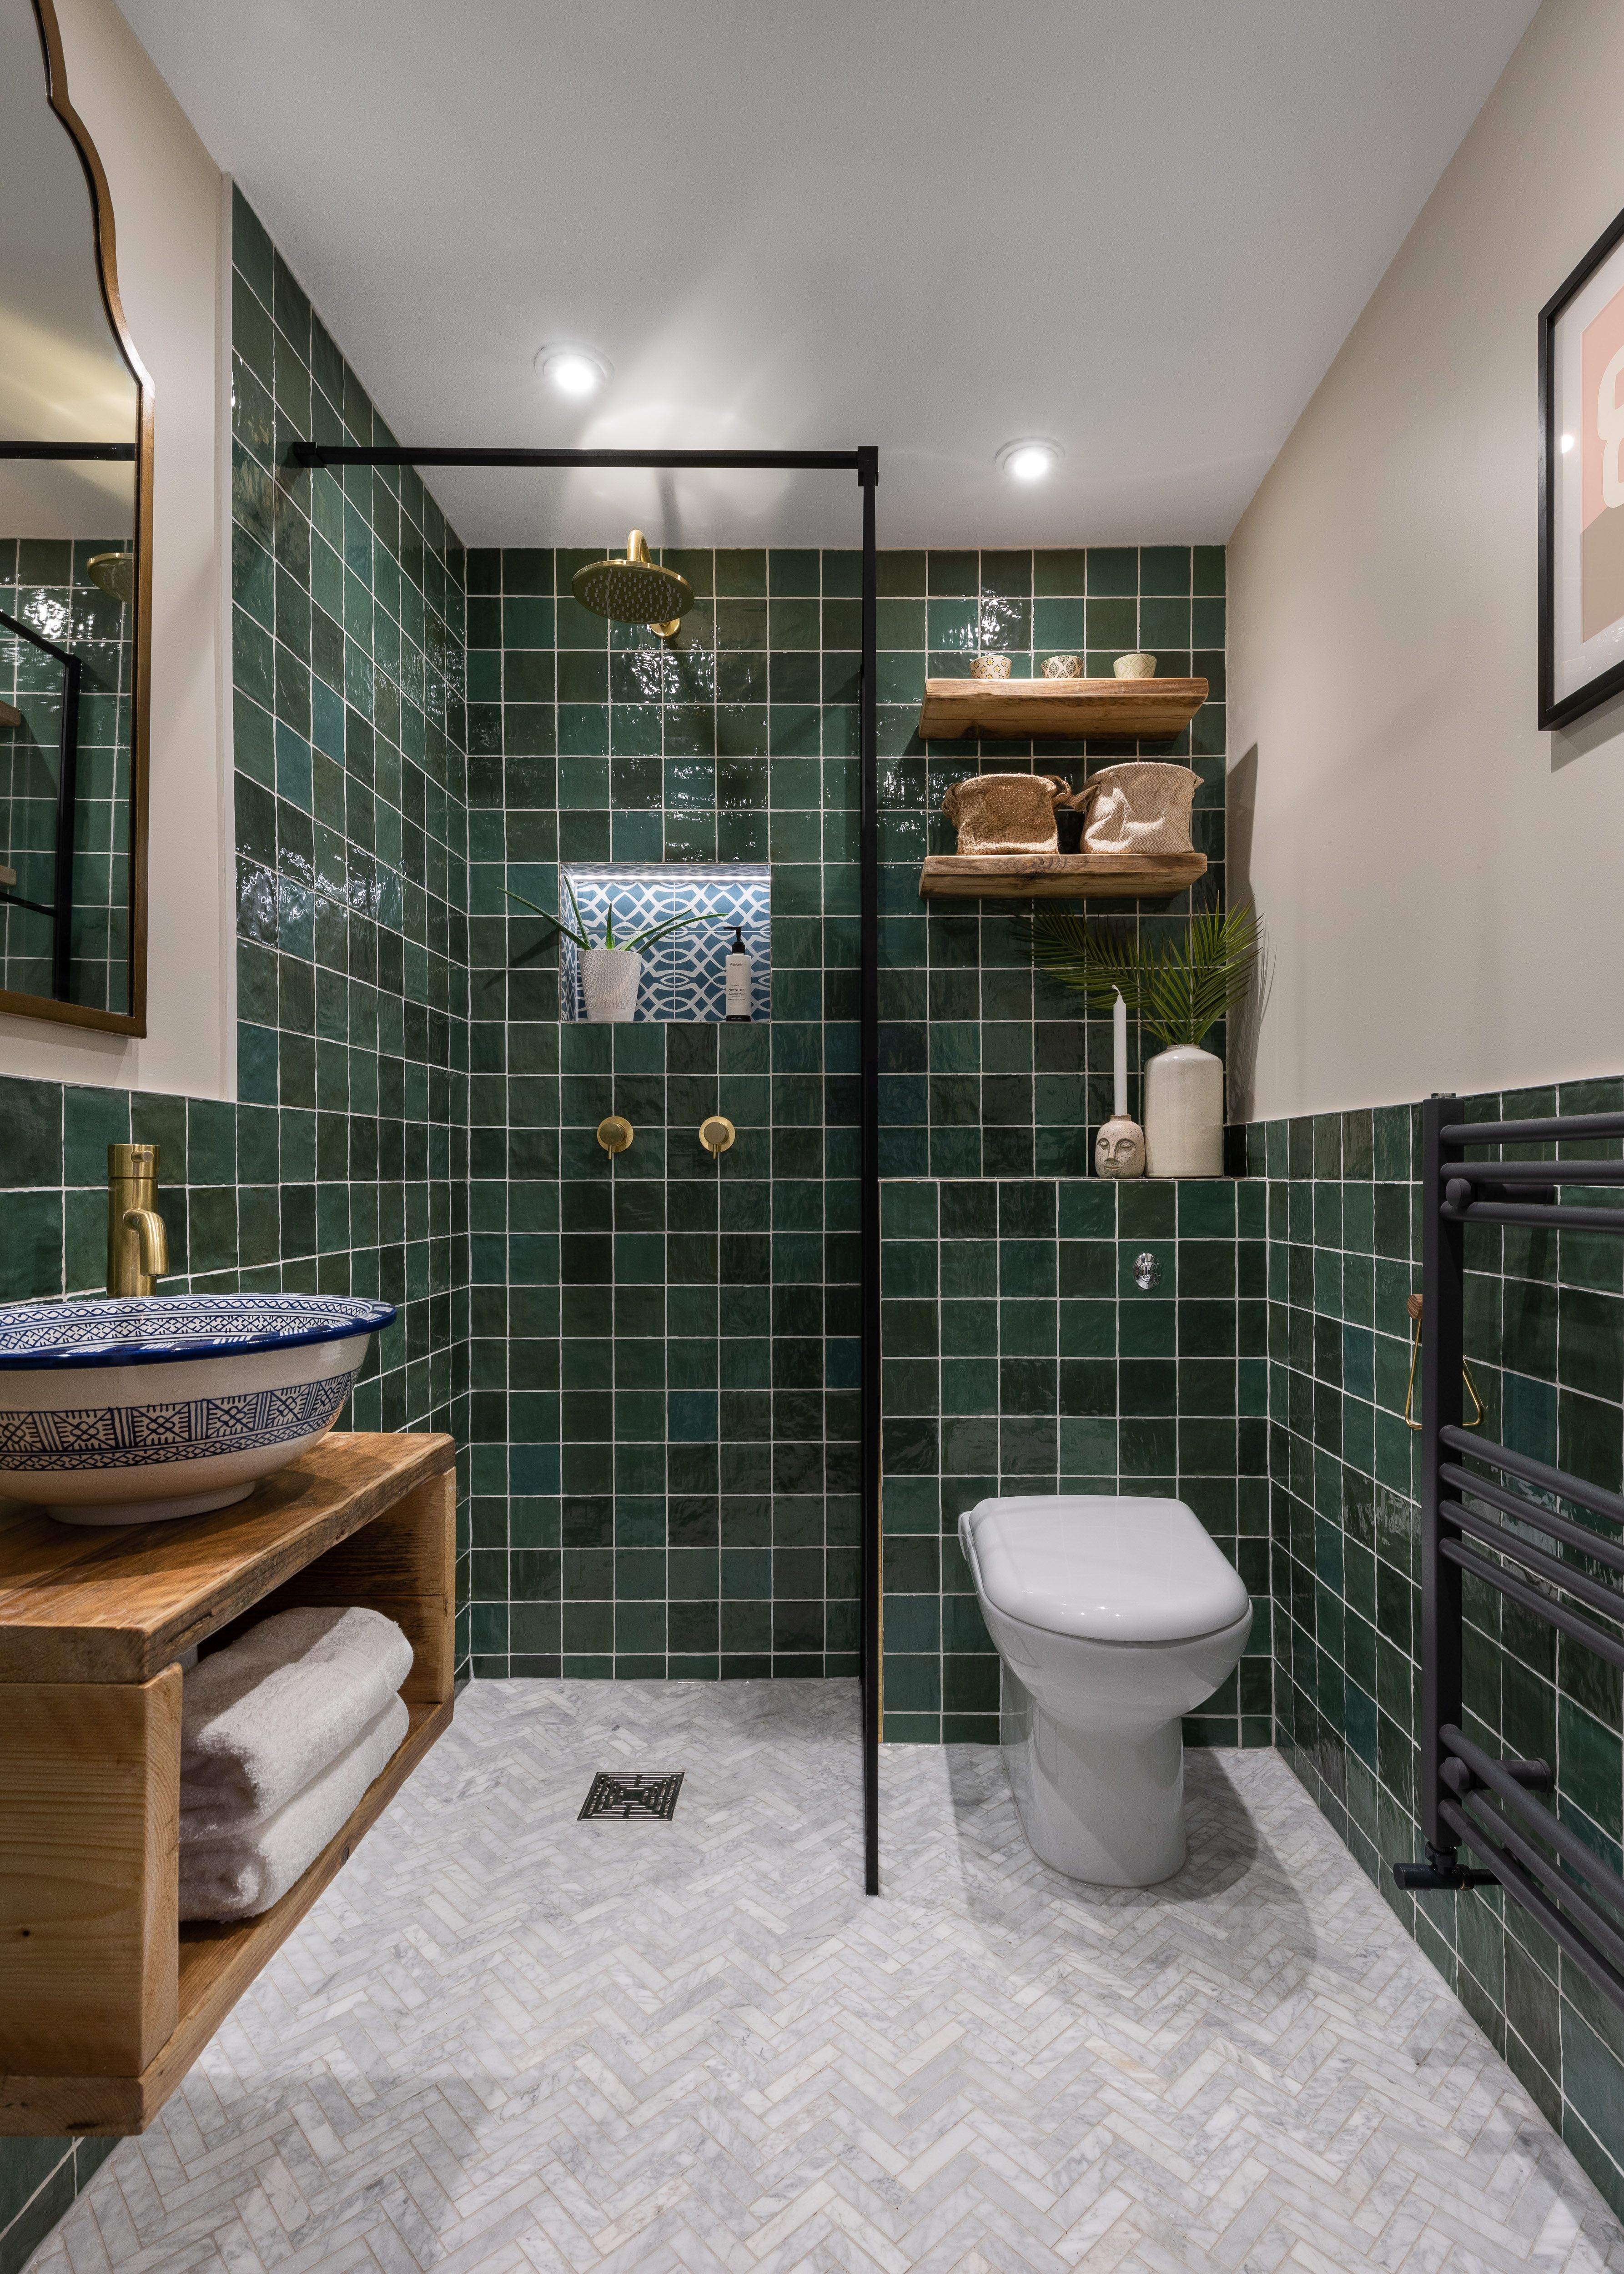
1184,1113
609,982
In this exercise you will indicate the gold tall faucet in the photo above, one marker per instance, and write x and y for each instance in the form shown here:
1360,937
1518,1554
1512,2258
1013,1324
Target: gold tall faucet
138,1247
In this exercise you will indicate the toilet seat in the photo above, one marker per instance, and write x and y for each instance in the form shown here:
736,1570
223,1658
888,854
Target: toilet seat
1107,1569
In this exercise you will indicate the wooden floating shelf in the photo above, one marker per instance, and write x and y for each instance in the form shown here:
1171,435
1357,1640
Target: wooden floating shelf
1058,875
1011,709
105,1999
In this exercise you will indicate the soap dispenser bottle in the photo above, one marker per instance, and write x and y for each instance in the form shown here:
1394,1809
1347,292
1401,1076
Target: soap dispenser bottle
739,972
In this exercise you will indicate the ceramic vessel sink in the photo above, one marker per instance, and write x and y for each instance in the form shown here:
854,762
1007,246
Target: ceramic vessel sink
137,1408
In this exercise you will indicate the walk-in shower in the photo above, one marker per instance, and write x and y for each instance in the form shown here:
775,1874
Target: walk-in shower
635,590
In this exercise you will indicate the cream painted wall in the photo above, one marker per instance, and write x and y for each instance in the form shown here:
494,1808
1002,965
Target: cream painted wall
1443,886
172,217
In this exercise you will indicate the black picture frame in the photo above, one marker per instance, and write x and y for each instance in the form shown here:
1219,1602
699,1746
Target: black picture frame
1605,684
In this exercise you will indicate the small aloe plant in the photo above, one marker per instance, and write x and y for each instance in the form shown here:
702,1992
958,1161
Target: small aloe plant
576,930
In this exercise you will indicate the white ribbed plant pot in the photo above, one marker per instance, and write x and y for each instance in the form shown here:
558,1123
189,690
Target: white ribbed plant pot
1184,1113
609,981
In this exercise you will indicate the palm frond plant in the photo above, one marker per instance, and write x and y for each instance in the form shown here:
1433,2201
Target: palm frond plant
573,927
1179,991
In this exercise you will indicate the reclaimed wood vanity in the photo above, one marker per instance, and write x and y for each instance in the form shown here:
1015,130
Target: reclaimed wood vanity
105,1999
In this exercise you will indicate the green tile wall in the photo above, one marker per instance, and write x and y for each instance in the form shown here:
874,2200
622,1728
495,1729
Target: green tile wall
39,2180
1546,1350
1021,1355
351,859
984,1069
665,1358
665,1353
1016,1355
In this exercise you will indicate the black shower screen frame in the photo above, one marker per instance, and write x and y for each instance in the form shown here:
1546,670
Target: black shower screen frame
865,463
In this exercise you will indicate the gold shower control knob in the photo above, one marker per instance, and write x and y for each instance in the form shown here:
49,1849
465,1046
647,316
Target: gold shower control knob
614,1134
717,1134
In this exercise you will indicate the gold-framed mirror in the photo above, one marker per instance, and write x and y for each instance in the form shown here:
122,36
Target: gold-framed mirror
76,445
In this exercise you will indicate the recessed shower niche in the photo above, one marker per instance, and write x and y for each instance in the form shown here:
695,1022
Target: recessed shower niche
683,979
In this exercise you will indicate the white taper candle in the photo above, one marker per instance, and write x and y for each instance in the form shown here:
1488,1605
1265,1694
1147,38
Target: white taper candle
1119,1056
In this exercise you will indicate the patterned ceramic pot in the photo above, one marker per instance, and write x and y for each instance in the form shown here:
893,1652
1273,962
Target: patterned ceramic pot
609,981
989,666
135,1409
1139,666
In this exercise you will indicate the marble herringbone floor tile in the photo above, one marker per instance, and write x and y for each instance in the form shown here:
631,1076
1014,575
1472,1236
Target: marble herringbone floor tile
509,2043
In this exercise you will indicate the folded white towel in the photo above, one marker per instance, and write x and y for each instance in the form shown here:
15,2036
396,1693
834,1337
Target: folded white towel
238,1876
263,1716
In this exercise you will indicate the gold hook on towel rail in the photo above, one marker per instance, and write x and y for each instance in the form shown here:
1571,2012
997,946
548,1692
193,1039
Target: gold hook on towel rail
1414,1308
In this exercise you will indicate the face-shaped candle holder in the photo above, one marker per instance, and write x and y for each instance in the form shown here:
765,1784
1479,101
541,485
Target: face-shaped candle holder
1119,1148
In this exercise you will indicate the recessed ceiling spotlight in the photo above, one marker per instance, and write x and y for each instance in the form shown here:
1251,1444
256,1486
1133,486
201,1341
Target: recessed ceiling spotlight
574,371
1030,459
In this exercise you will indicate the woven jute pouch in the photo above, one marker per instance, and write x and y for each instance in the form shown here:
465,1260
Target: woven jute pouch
1005,813
1140,807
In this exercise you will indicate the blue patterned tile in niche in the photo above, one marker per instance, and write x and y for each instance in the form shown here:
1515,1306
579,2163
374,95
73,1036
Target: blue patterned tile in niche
683,980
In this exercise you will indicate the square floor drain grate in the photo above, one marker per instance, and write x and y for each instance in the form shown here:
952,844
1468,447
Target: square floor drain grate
627,1794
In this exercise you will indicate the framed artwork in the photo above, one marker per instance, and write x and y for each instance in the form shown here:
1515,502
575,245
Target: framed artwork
1581,485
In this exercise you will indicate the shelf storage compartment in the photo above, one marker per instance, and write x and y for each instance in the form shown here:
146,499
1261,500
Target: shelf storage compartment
683,981
1058,875
1014,709
105,1999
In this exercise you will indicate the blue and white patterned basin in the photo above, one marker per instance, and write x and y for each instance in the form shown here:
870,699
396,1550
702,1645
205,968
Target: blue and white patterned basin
136,1408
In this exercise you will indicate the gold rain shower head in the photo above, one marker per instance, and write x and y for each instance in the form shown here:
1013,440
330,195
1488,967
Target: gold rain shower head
635,590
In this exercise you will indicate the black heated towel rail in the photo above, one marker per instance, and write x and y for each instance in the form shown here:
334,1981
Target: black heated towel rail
1510,1521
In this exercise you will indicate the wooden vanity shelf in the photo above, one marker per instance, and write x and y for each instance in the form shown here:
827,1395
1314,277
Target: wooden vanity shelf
1058,875
105,1999
1005,710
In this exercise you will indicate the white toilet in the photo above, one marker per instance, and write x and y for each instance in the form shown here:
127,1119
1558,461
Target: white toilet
1113,1616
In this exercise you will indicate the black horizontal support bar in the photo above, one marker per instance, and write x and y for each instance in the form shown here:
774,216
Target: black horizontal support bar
1532,1776
1521,1883
36,639
1497,1776
1503,1540
344,454
1440,1879
1551,1217
122,452
1568,1621
1538,1473
1595,1924
1534,1172
38,907
1552,1131
1530,1511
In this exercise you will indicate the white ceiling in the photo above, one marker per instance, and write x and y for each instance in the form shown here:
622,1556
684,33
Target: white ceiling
1143,227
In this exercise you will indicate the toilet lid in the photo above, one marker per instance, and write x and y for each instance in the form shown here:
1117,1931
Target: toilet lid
1114,1568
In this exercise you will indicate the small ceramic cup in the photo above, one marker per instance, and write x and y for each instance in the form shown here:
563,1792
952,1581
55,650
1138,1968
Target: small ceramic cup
989,666
1062,666
1135,666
